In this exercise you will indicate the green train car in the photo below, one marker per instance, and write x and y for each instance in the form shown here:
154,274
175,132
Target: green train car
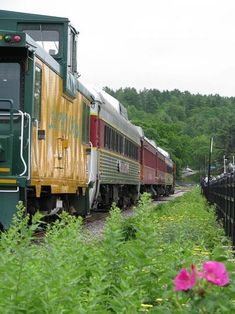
44,117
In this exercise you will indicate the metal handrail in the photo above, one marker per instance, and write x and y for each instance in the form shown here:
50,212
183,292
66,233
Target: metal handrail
29,145
36,122
22,144
22,114
10,191
10,101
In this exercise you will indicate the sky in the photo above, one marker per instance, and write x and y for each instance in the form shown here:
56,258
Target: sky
163,44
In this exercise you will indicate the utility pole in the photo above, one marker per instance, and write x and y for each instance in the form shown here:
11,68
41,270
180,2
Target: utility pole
209,163
225,164
205,165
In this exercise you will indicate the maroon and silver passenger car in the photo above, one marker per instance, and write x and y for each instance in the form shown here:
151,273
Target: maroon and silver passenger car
115,148
123,162
157,169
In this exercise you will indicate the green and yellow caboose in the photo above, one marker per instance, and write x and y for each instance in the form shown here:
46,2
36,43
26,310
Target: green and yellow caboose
44,117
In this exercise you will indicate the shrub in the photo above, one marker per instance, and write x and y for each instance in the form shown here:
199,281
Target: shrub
130,271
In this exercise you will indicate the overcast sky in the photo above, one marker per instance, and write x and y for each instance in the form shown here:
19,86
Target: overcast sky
163,44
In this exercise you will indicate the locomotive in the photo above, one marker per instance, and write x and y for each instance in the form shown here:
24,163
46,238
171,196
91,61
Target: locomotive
65,145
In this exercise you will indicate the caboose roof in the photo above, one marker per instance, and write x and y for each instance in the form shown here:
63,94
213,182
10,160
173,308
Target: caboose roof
29,17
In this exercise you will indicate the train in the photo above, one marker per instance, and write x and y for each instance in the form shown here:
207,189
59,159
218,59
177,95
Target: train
63,144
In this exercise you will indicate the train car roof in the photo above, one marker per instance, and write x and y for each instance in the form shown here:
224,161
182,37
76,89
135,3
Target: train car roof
140,131
113,112
88,91
30,17
114,103
163,152
151,142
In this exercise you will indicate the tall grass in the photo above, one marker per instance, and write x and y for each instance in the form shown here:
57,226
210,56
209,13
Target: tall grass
130,270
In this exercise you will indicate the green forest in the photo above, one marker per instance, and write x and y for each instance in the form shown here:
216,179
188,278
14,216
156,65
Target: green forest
183,123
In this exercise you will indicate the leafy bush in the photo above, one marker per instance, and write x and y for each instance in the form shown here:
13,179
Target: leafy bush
131,270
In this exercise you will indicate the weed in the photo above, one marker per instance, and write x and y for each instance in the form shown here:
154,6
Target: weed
130,271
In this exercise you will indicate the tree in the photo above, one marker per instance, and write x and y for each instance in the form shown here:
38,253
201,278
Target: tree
182,123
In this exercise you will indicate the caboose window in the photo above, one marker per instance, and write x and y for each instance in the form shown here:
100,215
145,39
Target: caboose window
46,35
72,50
48,40
10,82
37,93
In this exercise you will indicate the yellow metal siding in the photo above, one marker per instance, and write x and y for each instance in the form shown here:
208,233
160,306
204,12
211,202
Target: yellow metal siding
59,160
8,181
5,169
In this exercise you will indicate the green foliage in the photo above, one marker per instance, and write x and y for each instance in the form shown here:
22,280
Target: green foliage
183,123
130,270
226,140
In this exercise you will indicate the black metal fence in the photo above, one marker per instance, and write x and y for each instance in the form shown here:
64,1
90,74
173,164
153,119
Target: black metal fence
221,193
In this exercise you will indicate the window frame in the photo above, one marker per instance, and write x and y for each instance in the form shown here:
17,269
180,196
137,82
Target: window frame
85,123
6,60
44,26
37,113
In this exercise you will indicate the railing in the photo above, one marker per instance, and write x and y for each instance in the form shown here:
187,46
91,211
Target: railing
221,193
8,112
23,117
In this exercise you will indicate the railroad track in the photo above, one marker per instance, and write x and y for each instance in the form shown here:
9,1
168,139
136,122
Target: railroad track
95,222
98,219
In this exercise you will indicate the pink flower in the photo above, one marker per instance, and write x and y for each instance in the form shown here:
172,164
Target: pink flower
185,280
215,273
